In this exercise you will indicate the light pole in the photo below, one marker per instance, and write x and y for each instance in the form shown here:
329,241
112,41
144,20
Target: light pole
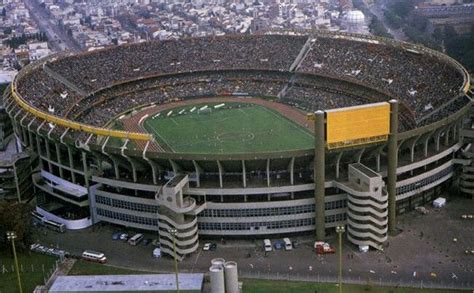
11,235
173,232
340,230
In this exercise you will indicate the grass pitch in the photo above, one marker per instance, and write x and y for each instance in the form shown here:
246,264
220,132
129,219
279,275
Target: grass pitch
231,128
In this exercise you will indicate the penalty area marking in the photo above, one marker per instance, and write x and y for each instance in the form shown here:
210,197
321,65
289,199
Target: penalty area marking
240,110
235,136
293,123
174,121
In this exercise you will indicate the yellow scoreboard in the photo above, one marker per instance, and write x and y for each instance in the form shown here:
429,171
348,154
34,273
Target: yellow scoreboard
357,125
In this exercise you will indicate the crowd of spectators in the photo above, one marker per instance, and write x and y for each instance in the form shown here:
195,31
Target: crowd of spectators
95,70
421,81
46,93
335,73
115,100
312,99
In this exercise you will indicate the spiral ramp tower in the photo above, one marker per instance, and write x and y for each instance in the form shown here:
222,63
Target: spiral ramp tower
179,213
466,179
367,202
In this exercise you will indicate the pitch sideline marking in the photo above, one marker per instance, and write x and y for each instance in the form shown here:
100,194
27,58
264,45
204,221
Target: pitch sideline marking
297,126
157,134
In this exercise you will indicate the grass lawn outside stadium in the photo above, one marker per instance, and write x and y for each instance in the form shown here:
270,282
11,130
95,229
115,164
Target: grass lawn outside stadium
230,128
34,269
266,286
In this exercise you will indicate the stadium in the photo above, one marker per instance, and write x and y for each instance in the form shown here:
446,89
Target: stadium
212,136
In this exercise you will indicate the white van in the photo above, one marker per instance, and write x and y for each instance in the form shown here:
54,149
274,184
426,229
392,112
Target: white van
137,238
288,245
94,256
267,245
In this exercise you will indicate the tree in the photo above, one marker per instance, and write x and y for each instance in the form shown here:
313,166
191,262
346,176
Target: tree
438,34
419,37
460,47
393,19
377,28
402,8
16,217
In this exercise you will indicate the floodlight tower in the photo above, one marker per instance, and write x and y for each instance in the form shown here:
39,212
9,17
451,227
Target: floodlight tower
173,233
392,166
11,235
340,230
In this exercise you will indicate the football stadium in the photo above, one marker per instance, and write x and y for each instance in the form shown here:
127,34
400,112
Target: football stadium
279,133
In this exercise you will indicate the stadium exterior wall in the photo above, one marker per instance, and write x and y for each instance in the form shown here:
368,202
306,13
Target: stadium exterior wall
238,194
412,145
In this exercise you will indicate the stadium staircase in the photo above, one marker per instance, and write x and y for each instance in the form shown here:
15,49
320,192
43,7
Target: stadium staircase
296,64
302,54
132,124
63,80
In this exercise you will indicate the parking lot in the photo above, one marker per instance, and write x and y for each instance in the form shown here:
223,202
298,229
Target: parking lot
423,251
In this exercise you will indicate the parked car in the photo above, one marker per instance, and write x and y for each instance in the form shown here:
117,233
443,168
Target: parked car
278,245
213,247
116,235
124,236
267,245
157,252
295,244
146,241
155,242
209,246
288,244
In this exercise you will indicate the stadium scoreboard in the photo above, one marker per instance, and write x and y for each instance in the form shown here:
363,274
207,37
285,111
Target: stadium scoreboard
357,125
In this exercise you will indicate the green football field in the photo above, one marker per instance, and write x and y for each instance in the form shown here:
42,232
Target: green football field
233,128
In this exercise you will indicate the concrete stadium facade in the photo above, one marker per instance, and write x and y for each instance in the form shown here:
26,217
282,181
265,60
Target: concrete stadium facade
243,195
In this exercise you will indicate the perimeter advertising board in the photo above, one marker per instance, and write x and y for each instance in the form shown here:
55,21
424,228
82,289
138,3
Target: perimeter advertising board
357,125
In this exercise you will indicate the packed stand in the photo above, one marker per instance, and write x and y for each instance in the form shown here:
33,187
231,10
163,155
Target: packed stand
422,82
46,93
127,76
94,70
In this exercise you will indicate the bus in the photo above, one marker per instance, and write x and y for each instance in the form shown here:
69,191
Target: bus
58,227
94,256
37,217
137,238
